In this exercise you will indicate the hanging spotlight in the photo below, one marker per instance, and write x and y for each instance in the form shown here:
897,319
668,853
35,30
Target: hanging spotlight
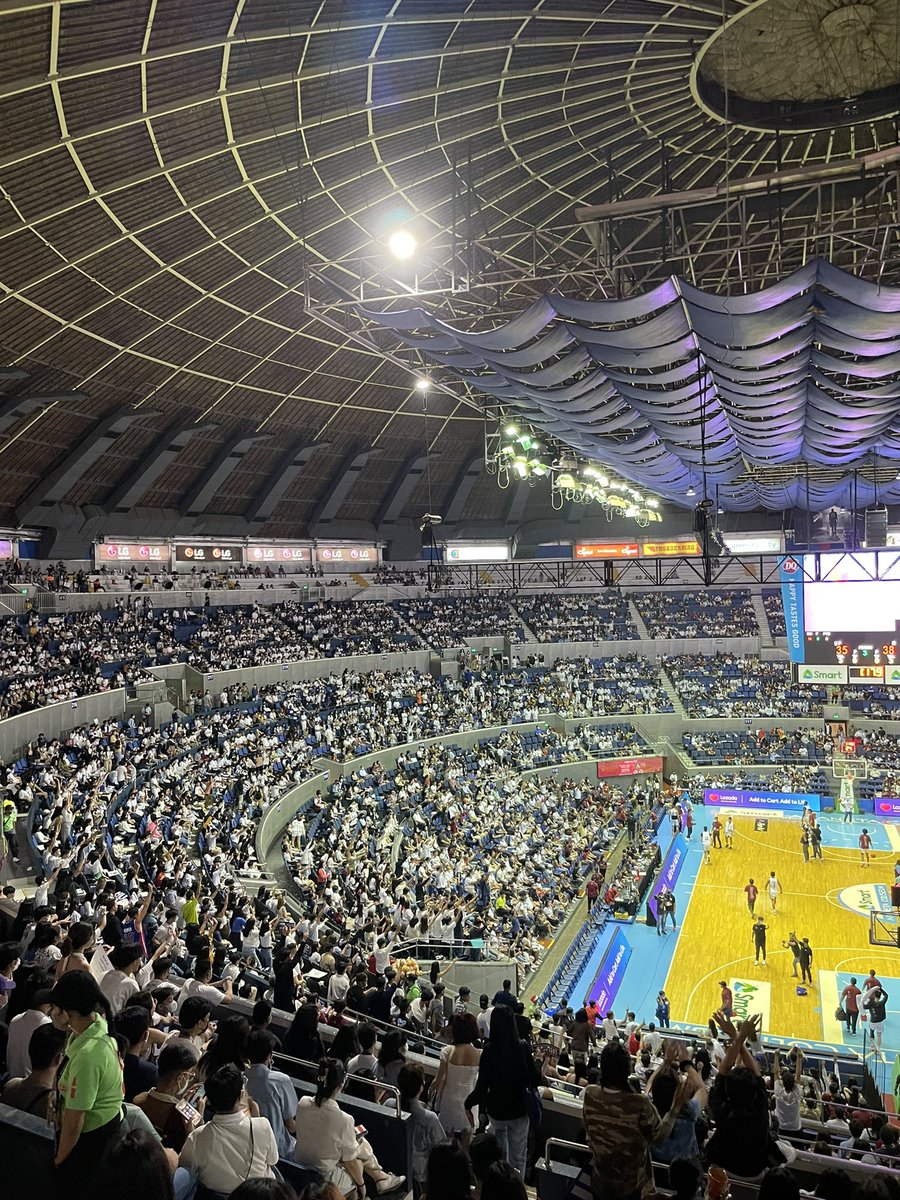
402,244
423,383
690,491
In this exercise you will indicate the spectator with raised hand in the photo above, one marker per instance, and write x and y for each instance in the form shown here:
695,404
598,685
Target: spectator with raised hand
623,1124
738,1101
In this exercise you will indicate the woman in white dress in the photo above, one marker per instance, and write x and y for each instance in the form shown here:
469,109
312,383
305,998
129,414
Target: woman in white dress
456,1077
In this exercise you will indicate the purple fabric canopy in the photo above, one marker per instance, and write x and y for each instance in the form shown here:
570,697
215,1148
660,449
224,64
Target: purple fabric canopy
806,371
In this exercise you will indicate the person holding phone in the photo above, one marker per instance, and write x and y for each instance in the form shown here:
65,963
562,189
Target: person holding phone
237,1144
327,1141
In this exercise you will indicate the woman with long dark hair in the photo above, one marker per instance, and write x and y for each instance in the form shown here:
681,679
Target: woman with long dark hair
457,1076
89,1108
506,1073
327,1141
75,949
302,1040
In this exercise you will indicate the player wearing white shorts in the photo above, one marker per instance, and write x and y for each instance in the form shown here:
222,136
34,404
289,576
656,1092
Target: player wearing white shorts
773,887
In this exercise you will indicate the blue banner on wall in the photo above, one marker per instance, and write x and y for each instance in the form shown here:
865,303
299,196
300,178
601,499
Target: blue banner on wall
609,977
790,572
737,798
671,869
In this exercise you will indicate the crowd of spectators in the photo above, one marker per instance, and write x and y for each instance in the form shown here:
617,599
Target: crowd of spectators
706,614
774,606
741,685
587,617
456,620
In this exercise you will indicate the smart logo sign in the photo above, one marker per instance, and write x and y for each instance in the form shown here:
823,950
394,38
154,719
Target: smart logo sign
609,977
750,998
864,898
814,674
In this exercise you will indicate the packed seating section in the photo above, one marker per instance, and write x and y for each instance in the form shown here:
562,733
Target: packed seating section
118,806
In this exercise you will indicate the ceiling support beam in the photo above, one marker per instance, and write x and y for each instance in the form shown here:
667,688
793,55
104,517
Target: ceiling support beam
15,408
339,487
132,487
274,490
464,483
224,464
55,485
402,488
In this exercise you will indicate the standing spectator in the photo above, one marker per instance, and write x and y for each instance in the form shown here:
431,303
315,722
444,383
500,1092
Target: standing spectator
428,1131
739,1105
457,1076
787,1094
622,1125
506,1073
90,1084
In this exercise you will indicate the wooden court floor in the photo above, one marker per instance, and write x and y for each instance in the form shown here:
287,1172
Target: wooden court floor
715,940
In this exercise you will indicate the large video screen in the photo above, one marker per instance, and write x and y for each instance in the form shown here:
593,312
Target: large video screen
850,618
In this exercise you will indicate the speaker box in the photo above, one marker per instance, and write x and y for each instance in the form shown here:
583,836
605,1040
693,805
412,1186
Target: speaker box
895,897
876,526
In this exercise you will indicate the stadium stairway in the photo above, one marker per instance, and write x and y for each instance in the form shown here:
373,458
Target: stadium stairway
766,641
643,634
527,631
358,579
672,692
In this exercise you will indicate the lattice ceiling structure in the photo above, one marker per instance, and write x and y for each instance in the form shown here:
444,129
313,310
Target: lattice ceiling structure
195,197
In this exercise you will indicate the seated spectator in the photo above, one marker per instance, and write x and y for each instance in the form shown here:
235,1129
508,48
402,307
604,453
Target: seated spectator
449,1174
120,984
137,1073
162,1105
303,1040
501,1182
136,1166
22,1027
365,1062
236,1144
194,1023
484,1151
202,986
273,1091
327,1141
31,1094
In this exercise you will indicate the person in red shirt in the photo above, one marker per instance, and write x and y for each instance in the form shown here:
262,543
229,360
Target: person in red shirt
850,999
592,891
865,845
717,832
593,1012
871,980
752,892
689,821
727,1000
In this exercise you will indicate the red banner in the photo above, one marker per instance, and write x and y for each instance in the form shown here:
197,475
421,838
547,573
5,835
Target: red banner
616,767
608,550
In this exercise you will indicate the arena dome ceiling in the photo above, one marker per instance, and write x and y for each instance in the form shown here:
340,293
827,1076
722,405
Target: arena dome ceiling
195,200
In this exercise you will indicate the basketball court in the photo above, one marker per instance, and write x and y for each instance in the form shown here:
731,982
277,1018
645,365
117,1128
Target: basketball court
828,900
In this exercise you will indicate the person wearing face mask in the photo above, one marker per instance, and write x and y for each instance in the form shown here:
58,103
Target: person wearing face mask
163,1105
88,1110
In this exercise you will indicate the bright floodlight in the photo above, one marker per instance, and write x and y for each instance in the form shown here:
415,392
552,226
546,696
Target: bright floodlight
402,244
423,383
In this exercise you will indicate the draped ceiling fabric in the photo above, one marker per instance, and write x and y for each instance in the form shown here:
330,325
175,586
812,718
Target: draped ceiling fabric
804,372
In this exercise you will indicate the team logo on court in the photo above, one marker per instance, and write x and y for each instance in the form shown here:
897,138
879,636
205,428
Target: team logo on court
864,898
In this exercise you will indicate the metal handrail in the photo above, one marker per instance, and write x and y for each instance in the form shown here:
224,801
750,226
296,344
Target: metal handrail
376,1084
552,1141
